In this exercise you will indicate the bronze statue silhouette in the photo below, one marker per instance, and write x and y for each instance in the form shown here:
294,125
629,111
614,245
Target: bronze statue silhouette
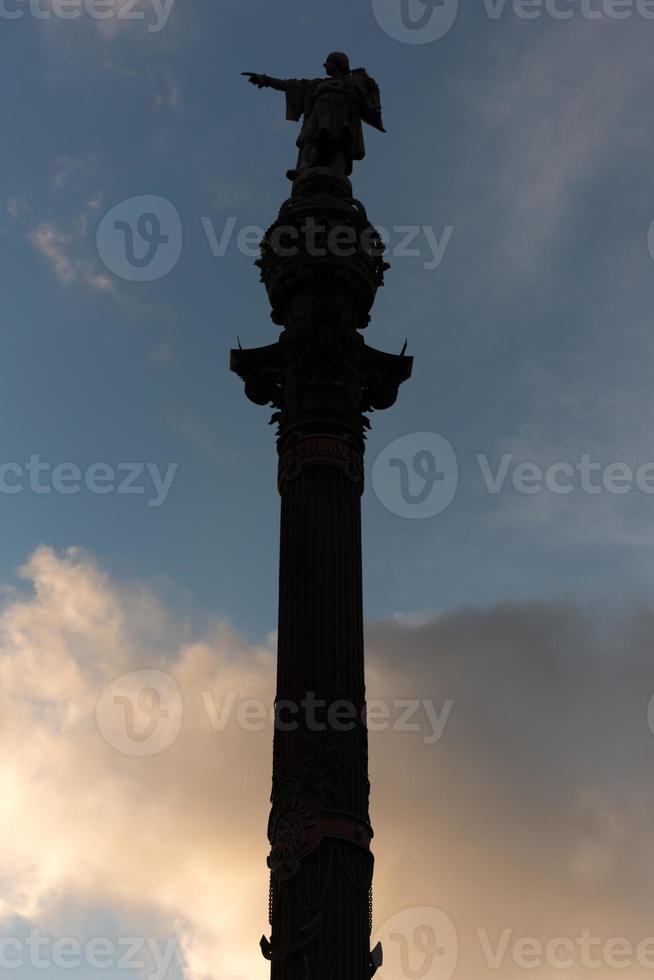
334,109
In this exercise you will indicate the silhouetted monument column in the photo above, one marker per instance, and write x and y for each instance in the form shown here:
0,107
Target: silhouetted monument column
322,263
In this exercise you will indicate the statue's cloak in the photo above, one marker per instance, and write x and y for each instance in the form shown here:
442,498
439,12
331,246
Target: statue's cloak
335,107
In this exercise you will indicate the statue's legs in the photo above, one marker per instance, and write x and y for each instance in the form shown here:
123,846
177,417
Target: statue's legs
340,163
324,152
307,158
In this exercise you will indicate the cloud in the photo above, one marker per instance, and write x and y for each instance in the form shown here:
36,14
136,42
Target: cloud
194,432
532,812
16,207
556,114
62,249
53,243
179,843
70,170
67,248
109,18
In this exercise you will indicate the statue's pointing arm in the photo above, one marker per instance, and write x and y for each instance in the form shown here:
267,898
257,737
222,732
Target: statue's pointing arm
297,91
265,81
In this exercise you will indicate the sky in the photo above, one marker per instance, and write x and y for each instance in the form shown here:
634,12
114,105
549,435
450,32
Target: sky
137,484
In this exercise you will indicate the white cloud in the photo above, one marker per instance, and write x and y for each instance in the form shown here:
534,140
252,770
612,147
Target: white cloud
532,812
62,251
67,249
53,243
68,252
69,800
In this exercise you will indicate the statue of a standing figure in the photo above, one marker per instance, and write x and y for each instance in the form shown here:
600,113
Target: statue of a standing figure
333,109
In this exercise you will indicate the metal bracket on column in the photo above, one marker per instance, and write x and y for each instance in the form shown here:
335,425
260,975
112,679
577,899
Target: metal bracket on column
376,959
278,952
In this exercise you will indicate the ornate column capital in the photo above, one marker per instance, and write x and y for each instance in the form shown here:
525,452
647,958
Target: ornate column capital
322,264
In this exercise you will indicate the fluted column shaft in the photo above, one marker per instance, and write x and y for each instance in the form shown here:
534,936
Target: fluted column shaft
321,672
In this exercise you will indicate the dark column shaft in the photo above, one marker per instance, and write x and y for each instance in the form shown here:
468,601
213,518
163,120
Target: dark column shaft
320,663
320,597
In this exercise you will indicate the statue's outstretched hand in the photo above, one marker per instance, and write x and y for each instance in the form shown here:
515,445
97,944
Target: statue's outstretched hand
254,79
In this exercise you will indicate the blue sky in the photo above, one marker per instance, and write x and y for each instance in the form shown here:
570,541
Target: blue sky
531,140
525,137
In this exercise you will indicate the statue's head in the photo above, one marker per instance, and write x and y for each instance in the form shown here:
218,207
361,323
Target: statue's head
337,63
